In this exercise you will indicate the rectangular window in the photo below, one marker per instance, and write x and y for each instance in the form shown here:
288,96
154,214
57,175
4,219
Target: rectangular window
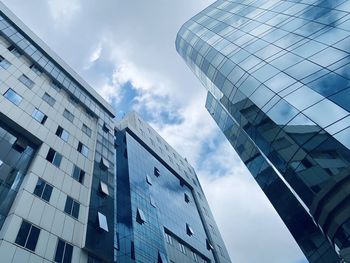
86,130
43,190
36,69
12,96
39,116
64,252
187,198
84,150
194,256
156,171
68,115
78,174
62,133
221,251
148,179
50,100
102,221
54,157
104,164
4,63
14,51
26,81
189,230
132,248
106,127
27,236
104,188
72,207
182,248
55,86
168,239
140,216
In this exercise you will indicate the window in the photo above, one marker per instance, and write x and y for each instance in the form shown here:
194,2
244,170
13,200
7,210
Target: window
106,127
36,69
27,236
104,164
39,116
54,157
187,198
4,63
148,179
182,248
72,207
194,181
14,51
78,174
20,145
83,149
209,245
12,96
189,230
64,252
55,86
140,216
102,221
168,238
194,256
62,133
50,100
26,81
162,258
132,248
68,115
156,171
152,202
43,190
104,188
221,251
86,130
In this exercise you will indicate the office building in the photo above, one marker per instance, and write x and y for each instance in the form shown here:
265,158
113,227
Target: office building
63,161
277,75
158,194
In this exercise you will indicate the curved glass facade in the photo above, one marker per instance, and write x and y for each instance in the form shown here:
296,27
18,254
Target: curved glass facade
280,71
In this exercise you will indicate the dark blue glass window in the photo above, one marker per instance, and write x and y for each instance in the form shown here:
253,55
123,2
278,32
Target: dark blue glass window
43,190
27,236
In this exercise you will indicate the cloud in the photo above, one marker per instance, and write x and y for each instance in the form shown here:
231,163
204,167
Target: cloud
127,47
251,228
63,11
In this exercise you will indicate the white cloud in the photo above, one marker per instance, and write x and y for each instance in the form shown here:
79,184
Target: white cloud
63,11
251,228
134,41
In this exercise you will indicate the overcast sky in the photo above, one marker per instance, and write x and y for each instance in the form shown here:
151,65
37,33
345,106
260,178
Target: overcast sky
125,50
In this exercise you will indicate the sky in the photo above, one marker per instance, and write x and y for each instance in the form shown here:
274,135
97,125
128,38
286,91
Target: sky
125,49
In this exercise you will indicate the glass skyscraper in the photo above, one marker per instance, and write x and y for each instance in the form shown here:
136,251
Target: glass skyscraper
76,186
278,81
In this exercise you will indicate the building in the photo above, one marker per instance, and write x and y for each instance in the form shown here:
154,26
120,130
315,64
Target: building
66,195
277,75
159,195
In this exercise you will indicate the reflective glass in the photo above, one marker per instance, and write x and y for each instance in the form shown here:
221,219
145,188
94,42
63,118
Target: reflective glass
12,96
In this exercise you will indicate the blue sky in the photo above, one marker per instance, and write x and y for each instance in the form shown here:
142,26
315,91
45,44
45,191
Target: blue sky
125,50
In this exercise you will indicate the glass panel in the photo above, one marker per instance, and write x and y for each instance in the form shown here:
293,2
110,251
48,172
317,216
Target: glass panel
33,238
102,221
39,188
47,192
12,96
23,234
59,251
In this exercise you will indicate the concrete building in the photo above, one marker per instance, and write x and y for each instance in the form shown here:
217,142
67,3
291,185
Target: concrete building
277,75
63,185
